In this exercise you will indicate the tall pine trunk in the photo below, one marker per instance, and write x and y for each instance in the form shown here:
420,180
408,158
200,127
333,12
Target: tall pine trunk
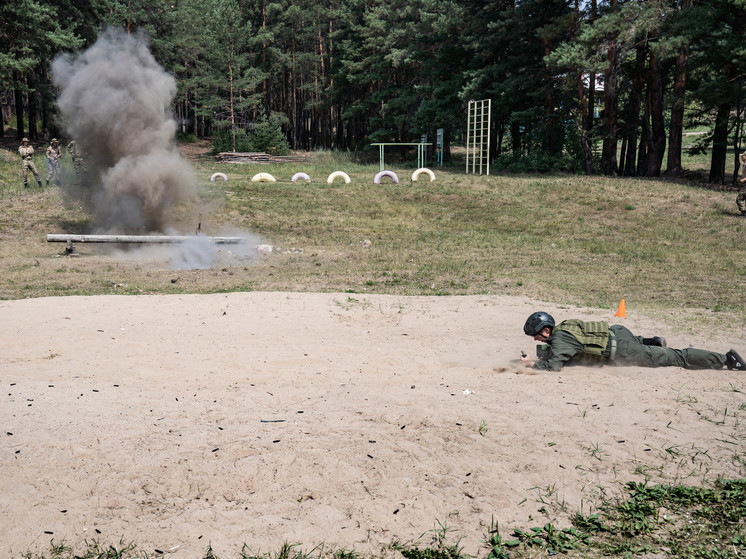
719,145
676,130
645,133
553,145
588,106
585,142
232,112
632,115
19,108
32,109
515,136
608,151
657,138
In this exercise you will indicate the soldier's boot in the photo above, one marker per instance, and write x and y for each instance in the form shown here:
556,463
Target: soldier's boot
659,341
46,182
743,213
39,183
25,185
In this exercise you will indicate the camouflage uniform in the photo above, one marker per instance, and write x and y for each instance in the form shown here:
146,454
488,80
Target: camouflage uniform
741,183
26,152
53,161
618,345
77,154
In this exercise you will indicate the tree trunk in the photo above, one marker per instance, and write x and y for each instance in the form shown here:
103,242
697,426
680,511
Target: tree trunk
642,152
588,105
657,138
737,141
585,142
719,145
552,146
515,137
232,113
676,130
500,136
629,166
608,152
19,109
32,109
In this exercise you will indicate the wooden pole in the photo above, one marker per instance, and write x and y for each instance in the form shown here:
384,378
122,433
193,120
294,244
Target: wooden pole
59,238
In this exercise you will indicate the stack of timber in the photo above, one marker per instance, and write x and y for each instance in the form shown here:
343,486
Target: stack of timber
257,158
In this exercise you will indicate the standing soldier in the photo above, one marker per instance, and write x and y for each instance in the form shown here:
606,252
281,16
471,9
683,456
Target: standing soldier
53,161
77,154
741,198
27,151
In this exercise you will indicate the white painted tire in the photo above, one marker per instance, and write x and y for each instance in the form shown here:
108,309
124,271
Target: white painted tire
421,170
216,176
298,176
263,177
389,174
337,174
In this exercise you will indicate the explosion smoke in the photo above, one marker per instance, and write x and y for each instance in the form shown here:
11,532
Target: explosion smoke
115,103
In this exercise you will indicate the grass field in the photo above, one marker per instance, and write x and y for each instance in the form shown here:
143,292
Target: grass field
674,251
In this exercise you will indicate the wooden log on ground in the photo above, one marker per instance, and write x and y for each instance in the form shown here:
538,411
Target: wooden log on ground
257,158
142,239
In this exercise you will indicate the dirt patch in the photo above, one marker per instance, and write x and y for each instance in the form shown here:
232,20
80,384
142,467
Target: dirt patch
195,151
342,420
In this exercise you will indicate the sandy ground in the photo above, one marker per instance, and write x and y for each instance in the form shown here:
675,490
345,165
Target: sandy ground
178,422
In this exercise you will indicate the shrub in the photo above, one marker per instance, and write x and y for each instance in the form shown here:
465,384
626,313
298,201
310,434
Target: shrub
265,136
536,162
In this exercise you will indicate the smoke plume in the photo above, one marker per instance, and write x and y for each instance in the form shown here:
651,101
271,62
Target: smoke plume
115,103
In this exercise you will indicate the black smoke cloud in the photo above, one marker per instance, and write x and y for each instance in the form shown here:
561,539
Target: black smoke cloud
115,103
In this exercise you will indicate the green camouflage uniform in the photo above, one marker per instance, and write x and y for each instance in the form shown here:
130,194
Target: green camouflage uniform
77,155
591,343
741,183
26,152
54,153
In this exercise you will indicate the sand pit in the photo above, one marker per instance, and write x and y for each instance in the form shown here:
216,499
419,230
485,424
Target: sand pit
179,422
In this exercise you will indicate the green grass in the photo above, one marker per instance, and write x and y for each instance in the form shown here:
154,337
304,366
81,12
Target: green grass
577,240
650,520
670,249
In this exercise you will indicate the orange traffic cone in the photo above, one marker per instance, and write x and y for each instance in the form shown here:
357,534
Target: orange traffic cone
621,312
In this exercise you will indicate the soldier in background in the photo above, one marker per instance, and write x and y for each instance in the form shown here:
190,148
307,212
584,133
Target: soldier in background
27,151
77,155
741,184
54,153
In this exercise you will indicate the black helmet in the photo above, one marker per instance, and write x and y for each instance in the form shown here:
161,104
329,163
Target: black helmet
537,322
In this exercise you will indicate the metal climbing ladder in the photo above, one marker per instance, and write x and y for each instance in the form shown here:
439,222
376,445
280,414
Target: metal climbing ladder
478,137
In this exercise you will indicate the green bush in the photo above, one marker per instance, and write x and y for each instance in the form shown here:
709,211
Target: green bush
265,137
536,162
188,138
268,137
224,142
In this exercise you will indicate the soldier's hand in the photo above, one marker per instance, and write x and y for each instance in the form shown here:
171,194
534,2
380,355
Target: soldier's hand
526,360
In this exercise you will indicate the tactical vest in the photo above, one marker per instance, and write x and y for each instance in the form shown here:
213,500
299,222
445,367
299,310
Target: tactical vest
593,335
